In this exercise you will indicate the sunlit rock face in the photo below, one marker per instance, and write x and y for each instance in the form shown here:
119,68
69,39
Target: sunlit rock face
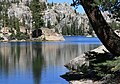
61,14
58,14
51,35
22,12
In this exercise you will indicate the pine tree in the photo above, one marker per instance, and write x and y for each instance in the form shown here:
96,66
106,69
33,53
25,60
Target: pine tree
36,14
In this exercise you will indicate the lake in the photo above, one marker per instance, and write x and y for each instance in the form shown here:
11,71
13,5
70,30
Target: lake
40,62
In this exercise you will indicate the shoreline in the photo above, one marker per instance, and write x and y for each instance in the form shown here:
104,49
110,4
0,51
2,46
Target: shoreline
42,39
31,41
39,39
75,76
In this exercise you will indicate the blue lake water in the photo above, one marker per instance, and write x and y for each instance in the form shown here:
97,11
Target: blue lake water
40,62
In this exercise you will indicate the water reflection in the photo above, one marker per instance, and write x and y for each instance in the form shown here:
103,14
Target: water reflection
36,63
59,54
21,58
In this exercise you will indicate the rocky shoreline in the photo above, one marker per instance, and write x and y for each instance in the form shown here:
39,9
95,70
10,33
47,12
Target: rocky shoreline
93,67
80,60
42,34
40,39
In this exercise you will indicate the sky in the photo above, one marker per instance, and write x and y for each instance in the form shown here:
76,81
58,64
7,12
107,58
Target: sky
79,9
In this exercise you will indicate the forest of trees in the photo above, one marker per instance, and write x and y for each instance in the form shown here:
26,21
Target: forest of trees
37,22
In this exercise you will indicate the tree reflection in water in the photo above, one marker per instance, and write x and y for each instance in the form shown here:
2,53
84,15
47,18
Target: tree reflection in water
35,62
21,57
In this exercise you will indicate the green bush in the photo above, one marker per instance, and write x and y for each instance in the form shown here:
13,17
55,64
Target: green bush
22,36
19,36
12,36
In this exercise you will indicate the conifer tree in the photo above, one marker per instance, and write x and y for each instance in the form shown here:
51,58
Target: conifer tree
36,14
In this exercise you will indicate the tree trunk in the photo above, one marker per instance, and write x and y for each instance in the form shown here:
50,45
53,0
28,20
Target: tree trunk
104,32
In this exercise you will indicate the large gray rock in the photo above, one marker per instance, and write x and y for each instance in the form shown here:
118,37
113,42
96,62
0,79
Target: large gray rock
80,60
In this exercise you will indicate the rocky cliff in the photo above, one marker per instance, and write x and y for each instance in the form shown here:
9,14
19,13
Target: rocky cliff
22,12
60,16
57,15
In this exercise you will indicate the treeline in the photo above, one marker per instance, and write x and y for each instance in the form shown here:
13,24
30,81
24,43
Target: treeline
75,29
72,30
